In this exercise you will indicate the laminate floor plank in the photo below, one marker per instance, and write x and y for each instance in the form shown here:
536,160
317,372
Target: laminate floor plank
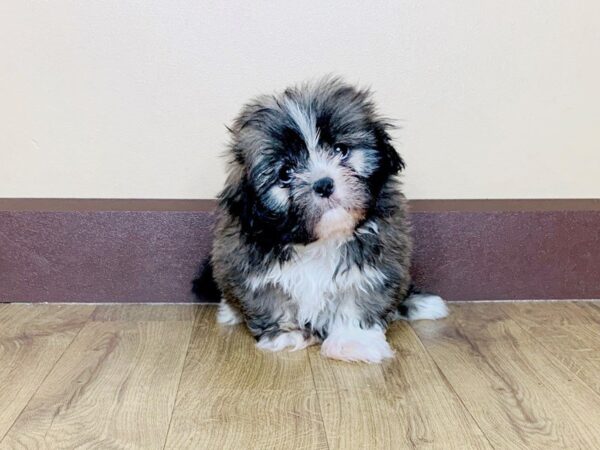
114,387
234,396
404,403
518,393
492,375
571,335
32,340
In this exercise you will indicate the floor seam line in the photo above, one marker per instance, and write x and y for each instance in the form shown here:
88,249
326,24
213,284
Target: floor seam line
449,384
187,351
87,321
551,357
312,373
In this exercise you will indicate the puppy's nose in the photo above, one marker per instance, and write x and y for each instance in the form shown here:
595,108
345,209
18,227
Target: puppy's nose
324,187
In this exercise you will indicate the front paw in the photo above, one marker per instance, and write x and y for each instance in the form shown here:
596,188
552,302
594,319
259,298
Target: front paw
291,340
368,346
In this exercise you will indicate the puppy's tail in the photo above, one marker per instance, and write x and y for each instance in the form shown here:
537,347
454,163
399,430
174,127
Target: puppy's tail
421,306
204,285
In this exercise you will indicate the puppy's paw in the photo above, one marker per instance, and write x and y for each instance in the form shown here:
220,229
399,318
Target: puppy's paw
424,307
368,346
227,315
291,340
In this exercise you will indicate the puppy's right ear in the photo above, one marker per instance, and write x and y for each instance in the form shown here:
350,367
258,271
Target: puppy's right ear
240,201
260,225
234,197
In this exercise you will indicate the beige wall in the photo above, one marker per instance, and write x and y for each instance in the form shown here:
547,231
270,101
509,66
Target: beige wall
496,98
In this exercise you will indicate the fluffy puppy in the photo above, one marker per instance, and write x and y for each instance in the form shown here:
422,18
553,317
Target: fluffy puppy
312,241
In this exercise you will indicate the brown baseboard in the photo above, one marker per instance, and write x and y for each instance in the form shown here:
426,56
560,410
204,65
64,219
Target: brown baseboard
68,250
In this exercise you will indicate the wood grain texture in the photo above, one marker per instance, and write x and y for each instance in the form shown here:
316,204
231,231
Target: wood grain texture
114,387
495,375
144,313
514,388
234,396
571,335
32,339
404,403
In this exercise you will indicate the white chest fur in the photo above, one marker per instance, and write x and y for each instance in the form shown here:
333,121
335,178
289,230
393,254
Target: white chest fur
310,279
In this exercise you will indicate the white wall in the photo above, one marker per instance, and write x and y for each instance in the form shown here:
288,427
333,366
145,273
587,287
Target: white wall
497,98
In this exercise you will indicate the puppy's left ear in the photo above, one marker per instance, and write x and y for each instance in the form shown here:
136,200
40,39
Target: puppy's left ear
391,162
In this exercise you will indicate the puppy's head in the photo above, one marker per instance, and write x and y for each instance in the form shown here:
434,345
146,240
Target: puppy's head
307,164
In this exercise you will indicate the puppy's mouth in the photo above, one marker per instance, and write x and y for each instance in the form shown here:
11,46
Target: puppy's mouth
329,203
338,222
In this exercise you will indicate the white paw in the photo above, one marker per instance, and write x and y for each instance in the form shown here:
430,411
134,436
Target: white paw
357,345
292,340
227,315
425,307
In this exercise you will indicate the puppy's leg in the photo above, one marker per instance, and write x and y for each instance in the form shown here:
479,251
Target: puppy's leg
227,314
357,344
351,339
292,340
270,317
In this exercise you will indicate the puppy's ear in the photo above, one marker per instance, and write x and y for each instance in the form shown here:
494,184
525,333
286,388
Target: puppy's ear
391,162
237,198
243,203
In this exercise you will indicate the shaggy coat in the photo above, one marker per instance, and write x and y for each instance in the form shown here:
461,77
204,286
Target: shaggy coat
312,242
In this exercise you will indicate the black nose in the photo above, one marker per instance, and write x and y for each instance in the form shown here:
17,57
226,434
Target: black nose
324,187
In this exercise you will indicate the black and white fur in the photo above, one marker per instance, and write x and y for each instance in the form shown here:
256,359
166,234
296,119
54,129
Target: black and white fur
312,242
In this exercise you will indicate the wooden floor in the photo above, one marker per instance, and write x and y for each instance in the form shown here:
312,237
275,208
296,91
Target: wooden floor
492,375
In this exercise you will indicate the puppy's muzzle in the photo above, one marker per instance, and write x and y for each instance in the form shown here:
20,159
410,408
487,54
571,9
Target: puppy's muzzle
324,187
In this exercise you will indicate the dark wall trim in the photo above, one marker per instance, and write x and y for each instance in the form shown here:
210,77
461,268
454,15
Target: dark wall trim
101,204
80,250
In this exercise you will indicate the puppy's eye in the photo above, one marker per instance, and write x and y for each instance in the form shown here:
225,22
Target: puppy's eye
342,150
285,175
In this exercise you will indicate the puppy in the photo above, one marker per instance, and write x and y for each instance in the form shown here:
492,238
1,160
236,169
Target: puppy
312,241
